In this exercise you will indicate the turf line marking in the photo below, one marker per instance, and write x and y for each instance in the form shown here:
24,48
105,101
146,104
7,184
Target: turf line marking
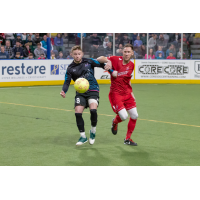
98,114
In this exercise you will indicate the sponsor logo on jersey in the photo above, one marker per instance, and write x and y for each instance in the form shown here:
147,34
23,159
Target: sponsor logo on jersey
86,64
54,69
120,59
122,73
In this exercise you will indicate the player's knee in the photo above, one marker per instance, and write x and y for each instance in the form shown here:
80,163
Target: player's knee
93,111
133,113
123,114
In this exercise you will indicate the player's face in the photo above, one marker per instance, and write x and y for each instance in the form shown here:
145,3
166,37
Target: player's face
127,53
77,55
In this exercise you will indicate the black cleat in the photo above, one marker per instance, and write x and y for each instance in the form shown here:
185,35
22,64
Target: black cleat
130,142
114,127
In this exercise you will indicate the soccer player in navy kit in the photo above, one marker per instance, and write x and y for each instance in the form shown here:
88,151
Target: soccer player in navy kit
83,68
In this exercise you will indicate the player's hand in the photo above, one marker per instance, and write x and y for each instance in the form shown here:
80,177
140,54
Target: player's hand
108,65
62,94
114,74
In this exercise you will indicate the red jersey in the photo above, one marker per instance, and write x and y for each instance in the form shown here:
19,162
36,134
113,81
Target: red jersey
121,84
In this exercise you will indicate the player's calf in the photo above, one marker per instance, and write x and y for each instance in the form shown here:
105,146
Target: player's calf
93,118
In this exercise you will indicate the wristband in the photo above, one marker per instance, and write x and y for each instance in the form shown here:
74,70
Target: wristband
111,71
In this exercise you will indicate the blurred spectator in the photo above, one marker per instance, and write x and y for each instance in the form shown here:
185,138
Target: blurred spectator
161,41
144,39
58,42
136,55
9,49
30,56
18,48
179,54
141,52
24,37
69,57
41,56
17,56
117,40
159,50
53,56
9,36
184,56
37,38
38,51
172,49
60,55
109,49
106,41
174,37
78,38
44,43
95,42
151,55
152,41
27,50
30,42
166,37
2,38
138,42
171,55
3,53
119,51
125,40
160,55
134,38
32,36
18,39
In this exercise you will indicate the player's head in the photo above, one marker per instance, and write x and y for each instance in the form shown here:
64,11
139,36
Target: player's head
127,52
76,53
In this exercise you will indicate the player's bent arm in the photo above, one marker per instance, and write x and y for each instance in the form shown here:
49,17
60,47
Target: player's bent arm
66,84
102,59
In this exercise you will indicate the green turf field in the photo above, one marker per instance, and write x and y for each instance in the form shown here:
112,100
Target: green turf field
44,132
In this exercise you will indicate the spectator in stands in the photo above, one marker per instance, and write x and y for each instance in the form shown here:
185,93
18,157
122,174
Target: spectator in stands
117,40
27,50
174,37
37,38
125,40
32,36
18,48
60,55
9,36
3,53
152,41
179,54
161,41
53,56
119,52
134,38
171,55
17,56
30,56
38,51
18,39
106,41
58,42
166,37
151,55
69,57
41,56
159,50
138,42
144,39
30,42
172,49
109,50
9,49
141,52
94,42
2,38
44,43
160,55
24,37
78,37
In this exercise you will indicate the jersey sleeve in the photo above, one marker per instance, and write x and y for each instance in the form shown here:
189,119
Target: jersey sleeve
95,63
68,78
114,60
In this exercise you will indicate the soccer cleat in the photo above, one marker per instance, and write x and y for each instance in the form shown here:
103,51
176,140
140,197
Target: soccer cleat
81,141
130,142
92,137
114,127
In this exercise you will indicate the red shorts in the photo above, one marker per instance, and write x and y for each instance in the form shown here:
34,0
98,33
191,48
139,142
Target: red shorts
118,102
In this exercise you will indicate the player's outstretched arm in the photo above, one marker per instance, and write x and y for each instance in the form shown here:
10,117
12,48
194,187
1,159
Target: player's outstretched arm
66,84
102,59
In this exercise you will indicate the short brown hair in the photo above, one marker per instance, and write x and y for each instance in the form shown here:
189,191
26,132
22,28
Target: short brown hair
27,44
30,54
17,53
128,45
77,47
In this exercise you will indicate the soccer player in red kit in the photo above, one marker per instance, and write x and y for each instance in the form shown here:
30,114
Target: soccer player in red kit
121,95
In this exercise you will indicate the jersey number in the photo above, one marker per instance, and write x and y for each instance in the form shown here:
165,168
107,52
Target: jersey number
77,100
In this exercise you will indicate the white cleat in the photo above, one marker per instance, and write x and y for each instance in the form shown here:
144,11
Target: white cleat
92,137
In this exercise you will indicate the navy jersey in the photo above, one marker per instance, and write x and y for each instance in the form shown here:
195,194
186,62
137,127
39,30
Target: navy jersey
85,69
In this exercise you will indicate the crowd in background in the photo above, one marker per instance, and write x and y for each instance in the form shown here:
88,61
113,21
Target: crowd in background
34,45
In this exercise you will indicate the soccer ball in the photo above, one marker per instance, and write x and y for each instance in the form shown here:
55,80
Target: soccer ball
81,85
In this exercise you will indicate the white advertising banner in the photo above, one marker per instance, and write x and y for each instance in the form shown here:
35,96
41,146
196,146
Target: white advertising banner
195,69
32,70
162,69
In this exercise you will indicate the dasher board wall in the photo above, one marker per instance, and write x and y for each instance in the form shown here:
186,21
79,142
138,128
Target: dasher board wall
52,72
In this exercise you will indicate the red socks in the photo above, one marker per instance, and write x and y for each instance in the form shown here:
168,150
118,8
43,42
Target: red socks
117,119
131,127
